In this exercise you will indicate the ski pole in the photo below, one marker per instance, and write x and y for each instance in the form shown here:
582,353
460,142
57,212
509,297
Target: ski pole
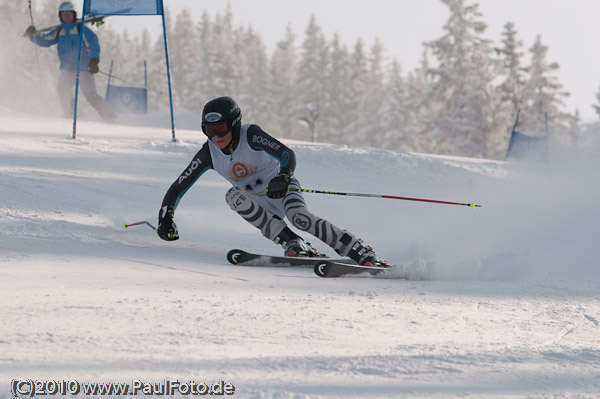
302,190
116,77
127,225
37,57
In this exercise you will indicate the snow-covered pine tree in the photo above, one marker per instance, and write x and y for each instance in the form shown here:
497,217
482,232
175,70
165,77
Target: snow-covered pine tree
112,49
512,71
253,72
144,45
145,42
281,92
184,59
204,86
544,94
224,63
341,112
597,106
127,63
374,97
420,106
158,86
574,131
463,85
312,75
358,85
393,113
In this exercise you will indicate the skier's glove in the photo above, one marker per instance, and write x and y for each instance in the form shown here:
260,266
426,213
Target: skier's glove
167,229
93,66
30,31
278,186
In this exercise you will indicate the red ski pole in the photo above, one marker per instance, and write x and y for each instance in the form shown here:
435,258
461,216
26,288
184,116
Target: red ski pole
302,190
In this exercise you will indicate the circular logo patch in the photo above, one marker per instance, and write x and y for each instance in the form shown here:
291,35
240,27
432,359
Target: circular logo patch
213,117
301,221
239,170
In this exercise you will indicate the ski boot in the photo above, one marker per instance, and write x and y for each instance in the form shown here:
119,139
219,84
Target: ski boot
298,247
294,245
365,256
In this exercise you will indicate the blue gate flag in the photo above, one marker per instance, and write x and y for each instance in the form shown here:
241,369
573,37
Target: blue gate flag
123,7
127,99
523,146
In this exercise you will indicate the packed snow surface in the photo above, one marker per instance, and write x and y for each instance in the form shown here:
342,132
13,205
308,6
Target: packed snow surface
511,308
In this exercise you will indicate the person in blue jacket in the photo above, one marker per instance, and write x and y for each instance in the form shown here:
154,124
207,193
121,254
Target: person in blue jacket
66,37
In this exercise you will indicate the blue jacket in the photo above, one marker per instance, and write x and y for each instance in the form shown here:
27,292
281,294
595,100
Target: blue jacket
67,37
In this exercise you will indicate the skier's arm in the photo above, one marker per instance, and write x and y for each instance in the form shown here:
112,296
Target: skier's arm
201,162
167,229
45,39
259,140
92,43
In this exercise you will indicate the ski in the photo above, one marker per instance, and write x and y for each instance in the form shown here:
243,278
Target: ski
243,258
332,268
416,270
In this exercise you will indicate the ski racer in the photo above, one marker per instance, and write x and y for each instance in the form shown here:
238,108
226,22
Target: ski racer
66,36
261,170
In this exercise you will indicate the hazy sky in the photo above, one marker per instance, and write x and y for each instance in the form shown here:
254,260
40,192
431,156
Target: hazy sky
569,27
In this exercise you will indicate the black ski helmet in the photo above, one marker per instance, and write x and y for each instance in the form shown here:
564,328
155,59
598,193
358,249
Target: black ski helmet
222,109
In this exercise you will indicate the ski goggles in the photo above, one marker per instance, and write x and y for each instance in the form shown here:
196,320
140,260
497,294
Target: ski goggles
65,13
219,129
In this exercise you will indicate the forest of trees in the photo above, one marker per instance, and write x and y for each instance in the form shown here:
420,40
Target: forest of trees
461,100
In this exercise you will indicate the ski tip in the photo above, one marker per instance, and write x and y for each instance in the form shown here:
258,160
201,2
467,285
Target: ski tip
321,269
233,255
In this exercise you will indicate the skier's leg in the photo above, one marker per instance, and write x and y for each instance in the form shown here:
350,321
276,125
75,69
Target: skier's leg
66,83
298,213
88,88
342,241
269,224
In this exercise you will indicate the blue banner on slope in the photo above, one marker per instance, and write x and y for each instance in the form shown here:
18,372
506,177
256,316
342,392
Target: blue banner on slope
127,99
522,146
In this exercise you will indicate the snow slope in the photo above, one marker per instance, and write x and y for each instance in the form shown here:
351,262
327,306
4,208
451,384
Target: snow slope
512,309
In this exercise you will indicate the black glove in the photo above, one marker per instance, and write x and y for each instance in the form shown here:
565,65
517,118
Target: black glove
93,66
30,31
278,186
167,229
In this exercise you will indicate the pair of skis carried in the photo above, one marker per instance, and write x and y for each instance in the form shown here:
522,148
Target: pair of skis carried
323,267
96,20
